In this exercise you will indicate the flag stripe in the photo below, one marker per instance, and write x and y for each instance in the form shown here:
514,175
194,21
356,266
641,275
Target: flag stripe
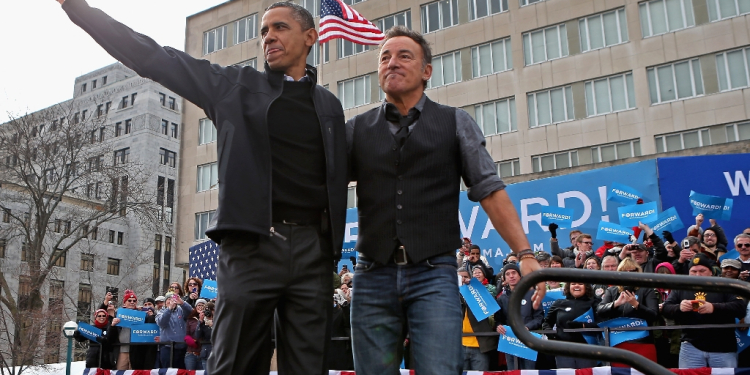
339,21
349,37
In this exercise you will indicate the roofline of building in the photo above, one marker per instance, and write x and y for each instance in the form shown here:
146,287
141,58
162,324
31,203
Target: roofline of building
207,10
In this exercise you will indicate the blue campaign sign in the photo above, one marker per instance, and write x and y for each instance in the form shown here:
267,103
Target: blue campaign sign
144,332
668,220
510,344
618,337
209,290
479,300
629,216
727,213
550,297
742,340
712,207
350,240
588,317
130,317
88,331
563,217
613,232
720,175
623,194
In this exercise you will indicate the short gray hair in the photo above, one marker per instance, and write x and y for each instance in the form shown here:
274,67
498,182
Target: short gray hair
741,235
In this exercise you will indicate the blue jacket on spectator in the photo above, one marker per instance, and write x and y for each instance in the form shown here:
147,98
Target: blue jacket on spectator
173,324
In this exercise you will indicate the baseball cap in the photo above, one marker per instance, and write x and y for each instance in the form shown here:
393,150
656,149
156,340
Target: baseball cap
160,299
734,263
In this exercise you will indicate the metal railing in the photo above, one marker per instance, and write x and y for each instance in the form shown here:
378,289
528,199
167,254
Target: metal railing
675,282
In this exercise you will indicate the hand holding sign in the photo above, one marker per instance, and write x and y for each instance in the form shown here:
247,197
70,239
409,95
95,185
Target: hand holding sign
210,289
510,344
130,317
563,217
479,300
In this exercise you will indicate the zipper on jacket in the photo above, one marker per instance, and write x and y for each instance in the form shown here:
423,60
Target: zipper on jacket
276,234
270,174
325,155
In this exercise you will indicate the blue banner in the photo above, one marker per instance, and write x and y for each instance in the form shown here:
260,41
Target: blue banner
727,213
479,300
629,216
712,207
551,297
563,217
668,220
129,317
588,317
88,331
209,290
618,337
613,232
731,254
742,340
721,175
144,333
623,194
510,344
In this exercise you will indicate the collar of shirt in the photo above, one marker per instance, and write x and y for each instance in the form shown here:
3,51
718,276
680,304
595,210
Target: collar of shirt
419,106
304,78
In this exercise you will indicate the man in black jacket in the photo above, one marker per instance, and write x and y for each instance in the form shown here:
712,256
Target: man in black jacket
408,156
716,347
273,126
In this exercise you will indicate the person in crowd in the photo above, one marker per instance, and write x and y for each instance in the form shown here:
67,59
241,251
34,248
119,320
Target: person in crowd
544,259
705,348
343,295
689,247
579,299
475,260
476,348
568,253
667,342
347,279
99,353
584,245
159,303
532,318
696,230
592,263
631,302
730,268
176,288
423,149
555,262
142,357
192,289
742,245
172,322
478,273
604,249
129,301
202,334
608,263
642,254
714,240
193,354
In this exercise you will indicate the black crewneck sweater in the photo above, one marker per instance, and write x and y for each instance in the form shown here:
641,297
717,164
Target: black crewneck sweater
298,159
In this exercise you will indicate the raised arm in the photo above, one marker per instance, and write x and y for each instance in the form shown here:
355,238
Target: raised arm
196,80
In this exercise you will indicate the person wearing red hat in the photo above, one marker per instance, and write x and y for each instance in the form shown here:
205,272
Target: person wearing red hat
129,301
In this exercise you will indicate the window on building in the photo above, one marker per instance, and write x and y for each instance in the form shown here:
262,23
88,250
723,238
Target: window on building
351,197
723,9
169,207
101,134
202,219
496,117
214,40
616,151
162,99
206,131
3,246
208,176
93,84
546,44
125,102
24,251
313,58
99,110
347,48
164,127
398,19
484,8
245,29
529,2
663,16
554,161
550,106
172,103
312,6
118,129
122,156
113,266
132,98
58,226
6,215
732,68
676,81
111,236
120,238
83,87
76,118
609,94
95,233
167,157
98,190
84,302
87,262
166,277
253,63
173,130
355,92
107,106
738,132
508,168
128,126
59,257
352,2
66,227
439,15
491,58
603,30
104,81
683,140
446,69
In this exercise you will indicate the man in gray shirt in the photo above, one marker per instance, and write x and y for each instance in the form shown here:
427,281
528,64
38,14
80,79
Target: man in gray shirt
408,157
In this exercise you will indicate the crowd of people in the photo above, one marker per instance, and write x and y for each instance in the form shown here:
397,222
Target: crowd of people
699,253
185,322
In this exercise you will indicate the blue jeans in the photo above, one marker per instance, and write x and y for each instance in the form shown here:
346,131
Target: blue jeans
523,364
474,359
690,357
193,362
178,359
420,298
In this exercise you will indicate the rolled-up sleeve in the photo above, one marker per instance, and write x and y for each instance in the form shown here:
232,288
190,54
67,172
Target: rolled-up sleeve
479,170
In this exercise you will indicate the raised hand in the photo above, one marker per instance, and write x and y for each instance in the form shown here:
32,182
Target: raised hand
553,230
61,1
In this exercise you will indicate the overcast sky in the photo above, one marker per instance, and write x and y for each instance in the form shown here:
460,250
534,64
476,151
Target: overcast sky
42,51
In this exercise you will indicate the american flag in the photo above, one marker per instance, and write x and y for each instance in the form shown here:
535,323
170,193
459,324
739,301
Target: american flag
338,20
203,258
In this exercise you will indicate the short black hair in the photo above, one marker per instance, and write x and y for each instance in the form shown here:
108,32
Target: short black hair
416,37
474,247
299,13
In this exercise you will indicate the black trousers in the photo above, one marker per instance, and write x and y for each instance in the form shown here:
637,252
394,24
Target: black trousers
257,274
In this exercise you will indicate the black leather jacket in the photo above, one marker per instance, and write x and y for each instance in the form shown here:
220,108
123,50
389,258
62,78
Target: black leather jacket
236,99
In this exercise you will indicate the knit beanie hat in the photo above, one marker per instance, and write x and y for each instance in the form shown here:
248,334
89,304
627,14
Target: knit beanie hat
510,266
702,260
128,294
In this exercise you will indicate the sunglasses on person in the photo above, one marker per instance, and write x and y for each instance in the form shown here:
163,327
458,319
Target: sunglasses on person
741,245
709,235
192,284
132,300
101,316
587,242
